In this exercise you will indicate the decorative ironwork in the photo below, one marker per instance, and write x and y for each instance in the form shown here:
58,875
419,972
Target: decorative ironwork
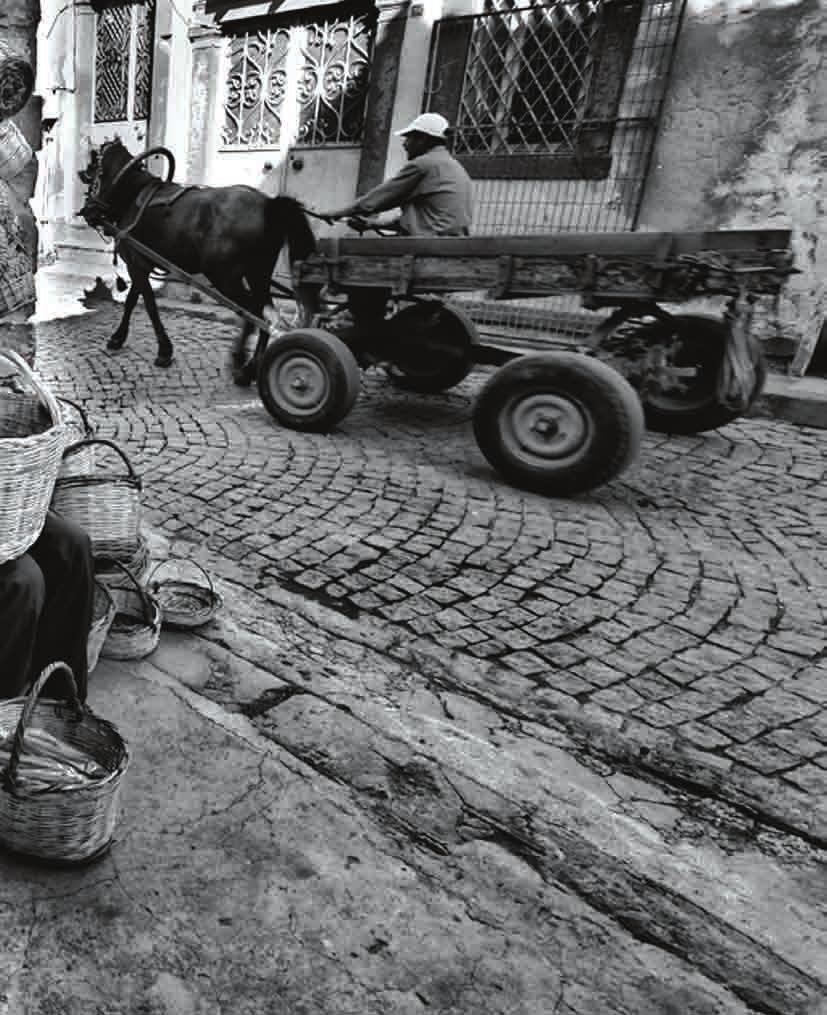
123,51
143,59
334,81
330,91
256,86
527,78
112,64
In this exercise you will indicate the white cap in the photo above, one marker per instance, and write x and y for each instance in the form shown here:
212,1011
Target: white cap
433,124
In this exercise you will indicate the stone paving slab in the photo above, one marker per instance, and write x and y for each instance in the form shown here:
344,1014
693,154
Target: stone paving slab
246,880
679,611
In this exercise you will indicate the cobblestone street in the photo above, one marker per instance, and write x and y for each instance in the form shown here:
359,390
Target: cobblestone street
673,621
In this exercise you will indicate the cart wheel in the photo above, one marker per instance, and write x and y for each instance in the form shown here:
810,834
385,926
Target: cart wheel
691,405
308,379
431,345
558,423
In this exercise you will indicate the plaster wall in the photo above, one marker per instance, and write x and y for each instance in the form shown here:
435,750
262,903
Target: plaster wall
743,140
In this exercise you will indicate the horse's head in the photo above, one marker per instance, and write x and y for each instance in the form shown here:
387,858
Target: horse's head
105,164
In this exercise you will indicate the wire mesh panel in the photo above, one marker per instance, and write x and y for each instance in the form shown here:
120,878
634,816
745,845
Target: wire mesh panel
526,78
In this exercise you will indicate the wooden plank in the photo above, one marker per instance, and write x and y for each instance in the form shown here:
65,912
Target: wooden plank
621,243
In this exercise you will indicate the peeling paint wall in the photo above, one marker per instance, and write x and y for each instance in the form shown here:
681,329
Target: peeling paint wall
743,141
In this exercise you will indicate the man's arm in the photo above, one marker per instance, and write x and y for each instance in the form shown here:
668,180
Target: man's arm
390,194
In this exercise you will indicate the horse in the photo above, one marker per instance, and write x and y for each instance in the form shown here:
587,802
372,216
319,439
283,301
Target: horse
232,235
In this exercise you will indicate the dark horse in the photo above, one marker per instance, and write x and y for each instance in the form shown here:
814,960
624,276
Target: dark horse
231,235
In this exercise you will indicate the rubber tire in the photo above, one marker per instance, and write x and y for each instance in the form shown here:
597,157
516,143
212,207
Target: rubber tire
454,328
339,367
607,402
705,343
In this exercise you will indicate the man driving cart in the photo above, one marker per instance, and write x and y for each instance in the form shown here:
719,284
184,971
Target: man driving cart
433,192
432,189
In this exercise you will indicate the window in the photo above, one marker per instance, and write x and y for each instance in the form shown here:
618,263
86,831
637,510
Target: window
123,61
303,83
541,82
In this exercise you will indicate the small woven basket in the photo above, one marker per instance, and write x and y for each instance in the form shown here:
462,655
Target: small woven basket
105,503
136,626
110,570
103,613
15,151
184,603
30,451
70,824
82,462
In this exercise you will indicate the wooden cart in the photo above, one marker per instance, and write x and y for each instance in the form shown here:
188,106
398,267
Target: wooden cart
557,422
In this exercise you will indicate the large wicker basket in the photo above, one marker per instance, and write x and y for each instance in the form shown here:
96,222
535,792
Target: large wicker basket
107,504
103,613
70,824
136,627
30,451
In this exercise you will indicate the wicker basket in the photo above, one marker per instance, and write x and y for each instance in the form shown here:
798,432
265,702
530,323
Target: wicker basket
103,613
106,504
29,462
16,80
15,151
118,573
66,825
184,603
82,462
136,627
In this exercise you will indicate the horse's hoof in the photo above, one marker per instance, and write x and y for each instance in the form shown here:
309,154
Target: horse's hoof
244,376
164,361
115,342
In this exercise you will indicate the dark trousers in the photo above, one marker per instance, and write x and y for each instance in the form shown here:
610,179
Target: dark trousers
46,599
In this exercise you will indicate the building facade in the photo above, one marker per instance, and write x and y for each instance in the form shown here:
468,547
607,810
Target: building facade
570,114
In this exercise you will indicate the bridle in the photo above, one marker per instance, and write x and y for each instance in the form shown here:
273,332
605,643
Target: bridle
103,206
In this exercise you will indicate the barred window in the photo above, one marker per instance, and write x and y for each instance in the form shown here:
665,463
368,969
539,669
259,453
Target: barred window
123,61
321,98
540,82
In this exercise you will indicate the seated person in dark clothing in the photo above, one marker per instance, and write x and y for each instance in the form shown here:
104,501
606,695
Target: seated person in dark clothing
46,599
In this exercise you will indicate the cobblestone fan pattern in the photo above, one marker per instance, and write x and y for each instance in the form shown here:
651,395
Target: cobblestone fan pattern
685,600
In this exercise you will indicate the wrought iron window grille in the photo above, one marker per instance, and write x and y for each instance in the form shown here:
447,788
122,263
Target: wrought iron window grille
308,80
533,91
123,60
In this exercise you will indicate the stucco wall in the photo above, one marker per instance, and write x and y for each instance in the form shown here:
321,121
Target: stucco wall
743,141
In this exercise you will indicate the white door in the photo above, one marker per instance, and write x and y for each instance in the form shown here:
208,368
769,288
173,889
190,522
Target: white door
295,97
123,74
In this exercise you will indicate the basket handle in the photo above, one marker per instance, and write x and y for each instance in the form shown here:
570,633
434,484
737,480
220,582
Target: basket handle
10,774
12,358
146,602
80,445
186,560
87,426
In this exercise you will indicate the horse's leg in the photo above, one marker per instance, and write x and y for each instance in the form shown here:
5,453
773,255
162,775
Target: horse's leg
239,353
259,296
118,336
164,357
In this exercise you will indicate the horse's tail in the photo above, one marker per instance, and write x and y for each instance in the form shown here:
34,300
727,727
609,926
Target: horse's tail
290,222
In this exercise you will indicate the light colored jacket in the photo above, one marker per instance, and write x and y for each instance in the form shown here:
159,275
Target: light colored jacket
434,192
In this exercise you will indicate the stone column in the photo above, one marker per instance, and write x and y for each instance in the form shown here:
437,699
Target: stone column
205,123
19,136
384,77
